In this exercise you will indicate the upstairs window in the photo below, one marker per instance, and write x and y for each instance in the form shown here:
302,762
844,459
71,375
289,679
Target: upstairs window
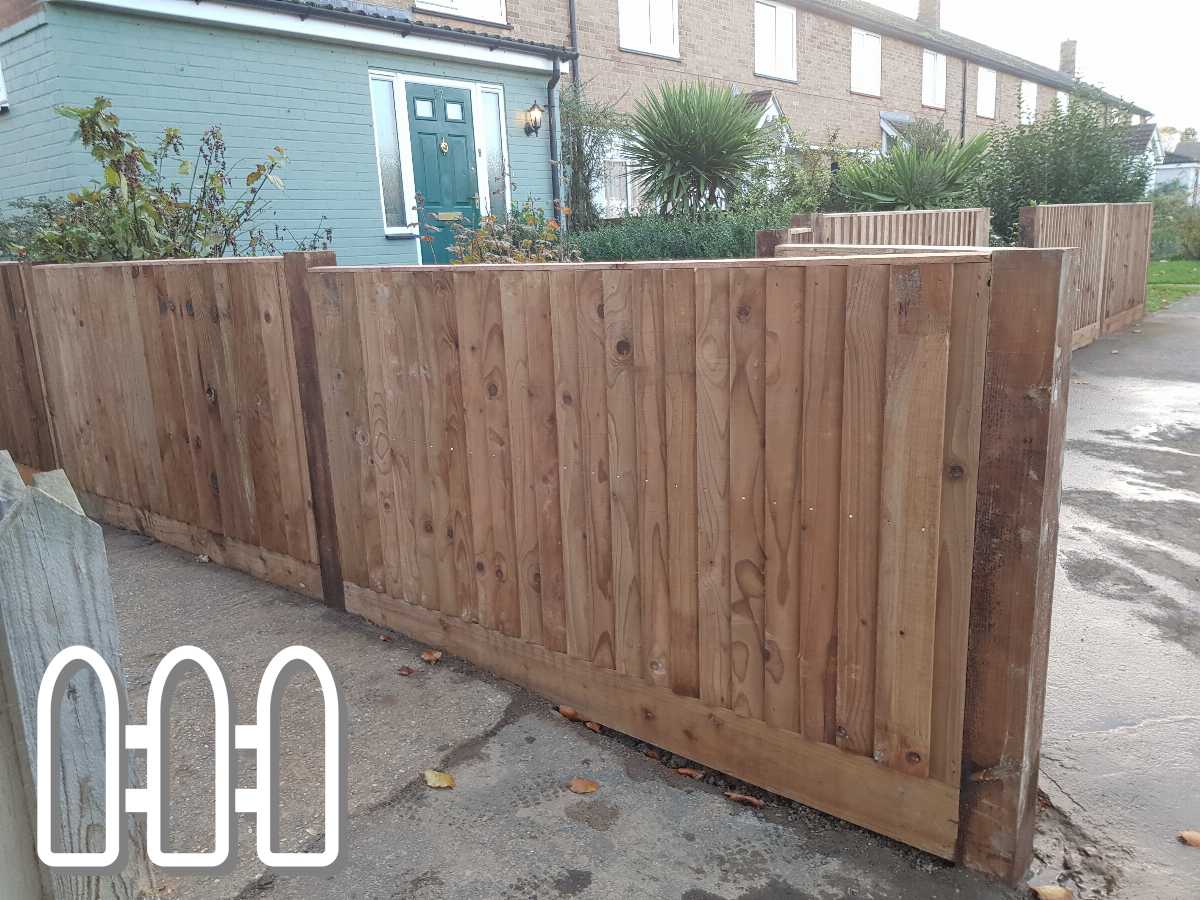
985,94
482,10
933,79
1028,102
775,40
649,26
866,63
1064,101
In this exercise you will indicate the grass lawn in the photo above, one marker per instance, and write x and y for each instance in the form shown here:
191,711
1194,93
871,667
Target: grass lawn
1170,280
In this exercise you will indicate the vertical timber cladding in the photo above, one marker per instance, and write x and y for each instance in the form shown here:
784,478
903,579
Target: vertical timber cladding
725,507
175,409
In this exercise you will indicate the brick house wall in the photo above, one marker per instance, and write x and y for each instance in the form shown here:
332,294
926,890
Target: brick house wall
13,11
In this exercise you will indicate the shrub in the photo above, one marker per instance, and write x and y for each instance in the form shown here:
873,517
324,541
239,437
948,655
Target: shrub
922,175
589,130
136,211
1170,211
791,177
527,236
1080,155
692,146
1189,234
719,235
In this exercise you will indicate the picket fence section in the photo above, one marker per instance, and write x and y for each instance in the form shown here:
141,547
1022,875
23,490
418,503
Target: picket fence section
731,508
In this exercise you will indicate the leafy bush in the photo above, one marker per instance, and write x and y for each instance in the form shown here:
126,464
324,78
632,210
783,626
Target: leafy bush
1189,234
921,175
791,177
719,235
589,131
528,236
1171,209
136,211
692,146
1080,155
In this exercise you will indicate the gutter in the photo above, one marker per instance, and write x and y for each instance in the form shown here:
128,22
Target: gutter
573,33
552,126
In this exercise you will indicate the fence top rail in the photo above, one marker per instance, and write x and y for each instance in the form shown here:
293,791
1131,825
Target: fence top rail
909,212
180,261
889,249
961,255
1078,205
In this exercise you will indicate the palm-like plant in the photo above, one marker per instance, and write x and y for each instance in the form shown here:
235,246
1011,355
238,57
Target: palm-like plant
913,176
692,145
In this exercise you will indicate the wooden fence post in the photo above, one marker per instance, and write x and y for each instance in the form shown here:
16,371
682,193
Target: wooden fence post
312,409
1016,536
26,426
56,594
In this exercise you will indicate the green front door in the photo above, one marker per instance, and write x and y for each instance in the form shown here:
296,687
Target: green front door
444,166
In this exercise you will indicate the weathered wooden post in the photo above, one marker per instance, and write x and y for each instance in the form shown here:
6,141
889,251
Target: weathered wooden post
55,593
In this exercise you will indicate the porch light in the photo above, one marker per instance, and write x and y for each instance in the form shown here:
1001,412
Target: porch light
533,119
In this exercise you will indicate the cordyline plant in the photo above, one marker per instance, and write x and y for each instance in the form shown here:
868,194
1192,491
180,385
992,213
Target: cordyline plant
920,175
693,145
137,212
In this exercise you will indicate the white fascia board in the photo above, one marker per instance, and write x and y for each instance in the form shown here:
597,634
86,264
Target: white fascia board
317,28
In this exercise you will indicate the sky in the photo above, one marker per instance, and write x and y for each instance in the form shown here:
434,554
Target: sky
1151,58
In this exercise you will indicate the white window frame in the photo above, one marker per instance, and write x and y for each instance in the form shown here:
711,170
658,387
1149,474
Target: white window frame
988,110
933,79
455,8
788,71
857,38
1028,101
629,40
400,81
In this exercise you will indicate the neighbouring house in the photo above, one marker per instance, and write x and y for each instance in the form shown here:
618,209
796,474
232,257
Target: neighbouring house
1145,141
1181,167
373,106
361,95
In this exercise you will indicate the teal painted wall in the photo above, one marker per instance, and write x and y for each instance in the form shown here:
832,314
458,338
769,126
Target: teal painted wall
263,90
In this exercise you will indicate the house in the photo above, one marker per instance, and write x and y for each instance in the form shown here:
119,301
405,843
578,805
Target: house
1144,141
362,95
374,105
1181,167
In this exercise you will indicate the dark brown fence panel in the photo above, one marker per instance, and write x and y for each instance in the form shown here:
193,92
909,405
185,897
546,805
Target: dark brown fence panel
175,408
24,420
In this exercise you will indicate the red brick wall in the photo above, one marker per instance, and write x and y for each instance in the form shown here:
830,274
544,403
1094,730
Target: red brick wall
12,11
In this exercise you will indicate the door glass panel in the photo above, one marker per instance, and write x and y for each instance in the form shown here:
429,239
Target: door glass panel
423,109
493,144
387,151
454,112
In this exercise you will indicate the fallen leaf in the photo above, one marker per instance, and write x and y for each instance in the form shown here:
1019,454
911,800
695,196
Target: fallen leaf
593,726
1052,892
203,558
691,773
436,779
1191,838
745,799
651,752
406,670
569,713
386,638
431,656
582,786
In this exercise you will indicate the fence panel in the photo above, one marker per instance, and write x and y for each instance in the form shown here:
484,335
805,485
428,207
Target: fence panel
706,503
172,389
1107,285
927,227
24,424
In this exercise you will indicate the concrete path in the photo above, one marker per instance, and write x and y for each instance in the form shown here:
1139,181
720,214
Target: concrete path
1122,735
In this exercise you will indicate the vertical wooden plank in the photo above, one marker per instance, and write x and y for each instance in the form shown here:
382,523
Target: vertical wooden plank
1026,377
820,478
785,367
624,484
593,420
651,429
863,385
910,504
513,300
312,408
24,387
960,456
712,482
544,452
747,349
573,493
679,346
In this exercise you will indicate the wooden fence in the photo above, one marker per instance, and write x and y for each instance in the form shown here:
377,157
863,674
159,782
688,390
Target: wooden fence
901,228
1107,289
729,508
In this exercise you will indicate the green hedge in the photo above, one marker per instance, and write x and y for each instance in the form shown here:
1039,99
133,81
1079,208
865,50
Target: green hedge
718,236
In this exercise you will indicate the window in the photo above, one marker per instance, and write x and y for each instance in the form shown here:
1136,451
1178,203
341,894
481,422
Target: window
866,63
494,144
985,94
1028,102
387,153
649,26
933,79
1064,101
775,40
483,10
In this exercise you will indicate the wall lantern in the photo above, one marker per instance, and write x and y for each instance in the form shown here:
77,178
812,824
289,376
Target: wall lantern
533,119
